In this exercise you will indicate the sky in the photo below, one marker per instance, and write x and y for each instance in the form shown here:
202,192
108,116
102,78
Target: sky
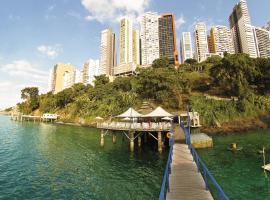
37,34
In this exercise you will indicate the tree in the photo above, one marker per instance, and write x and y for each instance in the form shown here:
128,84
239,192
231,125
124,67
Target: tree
29,92
234,74
161,63
191,61
101,80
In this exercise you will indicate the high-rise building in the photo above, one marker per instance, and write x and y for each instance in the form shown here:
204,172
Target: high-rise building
186,47
262,42
61,77
220,40
149,38
136,47
90,70
167,38
126,42
243,35
201,43
108,52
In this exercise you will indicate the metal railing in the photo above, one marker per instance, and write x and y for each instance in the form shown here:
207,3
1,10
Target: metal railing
166,183
207,176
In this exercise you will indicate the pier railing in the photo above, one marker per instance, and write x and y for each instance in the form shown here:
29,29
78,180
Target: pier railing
165,186
163,126
202,168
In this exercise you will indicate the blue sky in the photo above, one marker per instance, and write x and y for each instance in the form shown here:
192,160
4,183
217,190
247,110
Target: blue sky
36,34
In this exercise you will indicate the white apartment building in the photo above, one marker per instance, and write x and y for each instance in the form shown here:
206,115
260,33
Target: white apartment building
262,42
90,69
221,40
107,52
243,35
186,46
126,33
201,43
149,37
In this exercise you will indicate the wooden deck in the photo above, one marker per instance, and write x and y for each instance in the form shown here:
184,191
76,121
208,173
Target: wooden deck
185,181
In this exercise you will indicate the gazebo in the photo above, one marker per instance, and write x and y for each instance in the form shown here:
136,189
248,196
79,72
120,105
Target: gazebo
159,112
130,113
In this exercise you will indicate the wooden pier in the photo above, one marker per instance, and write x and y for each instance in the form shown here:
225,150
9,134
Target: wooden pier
136,131
185,181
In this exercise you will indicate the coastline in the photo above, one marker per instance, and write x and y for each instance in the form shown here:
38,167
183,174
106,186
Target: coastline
240,126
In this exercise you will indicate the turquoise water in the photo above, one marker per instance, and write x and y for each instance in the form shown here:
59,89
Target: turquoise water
45,161
240,173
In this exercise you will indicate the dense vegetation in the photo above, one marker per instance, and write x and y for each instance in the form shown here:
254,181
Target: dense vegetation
239,76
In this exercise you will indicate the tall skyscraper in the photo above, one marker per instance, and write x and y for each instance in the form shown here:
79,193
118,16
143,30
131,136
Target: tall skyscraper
149,38
61,77
167,38
263,42
201,43
136,47
243,35
108,52
220,40
186,47
90,70
126,33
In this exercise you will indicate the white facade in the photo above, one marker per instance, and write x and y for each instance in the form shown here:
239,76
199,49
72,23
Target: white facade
186,47
78,76
108,52
68,80
242,30
136,46
149,38
222,39
201,43
126,33
262,42
51,80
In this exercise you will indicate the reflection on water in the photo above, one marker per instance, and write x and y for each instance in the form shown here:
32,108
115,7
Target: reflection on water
45,161
240,173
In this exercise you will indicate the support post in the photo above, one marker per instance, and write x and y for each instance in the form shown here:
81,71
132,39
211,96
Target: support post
102,138
114,138
145,138
131,135
139,141
159,142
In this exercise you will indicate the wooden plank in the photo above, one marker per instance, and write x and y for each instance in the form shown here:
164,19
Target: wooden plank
185,181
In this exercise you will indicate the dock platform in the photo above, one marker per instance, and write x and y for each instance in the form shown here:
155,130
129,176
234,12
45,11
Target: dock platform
185,180
201,140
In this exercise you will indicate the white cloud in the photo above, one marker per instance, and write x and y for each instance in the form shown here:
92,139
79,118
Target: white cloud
17,75
179,22
50,51
24,69
111,10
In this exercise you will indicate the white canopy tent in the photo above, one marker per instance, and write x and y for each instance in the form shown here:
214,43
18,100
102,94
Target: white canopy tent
130,113
159,112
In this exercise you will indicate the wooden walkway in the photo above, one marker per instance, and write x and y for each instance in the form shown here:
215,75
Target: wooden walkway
185,181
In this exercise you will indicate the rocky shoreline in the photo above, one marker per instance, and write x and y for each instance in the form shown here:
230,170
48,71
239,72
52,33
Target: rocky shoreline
239,126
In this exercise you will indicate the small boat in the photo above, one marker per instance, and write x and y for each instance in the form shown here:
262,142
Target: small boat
233,147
